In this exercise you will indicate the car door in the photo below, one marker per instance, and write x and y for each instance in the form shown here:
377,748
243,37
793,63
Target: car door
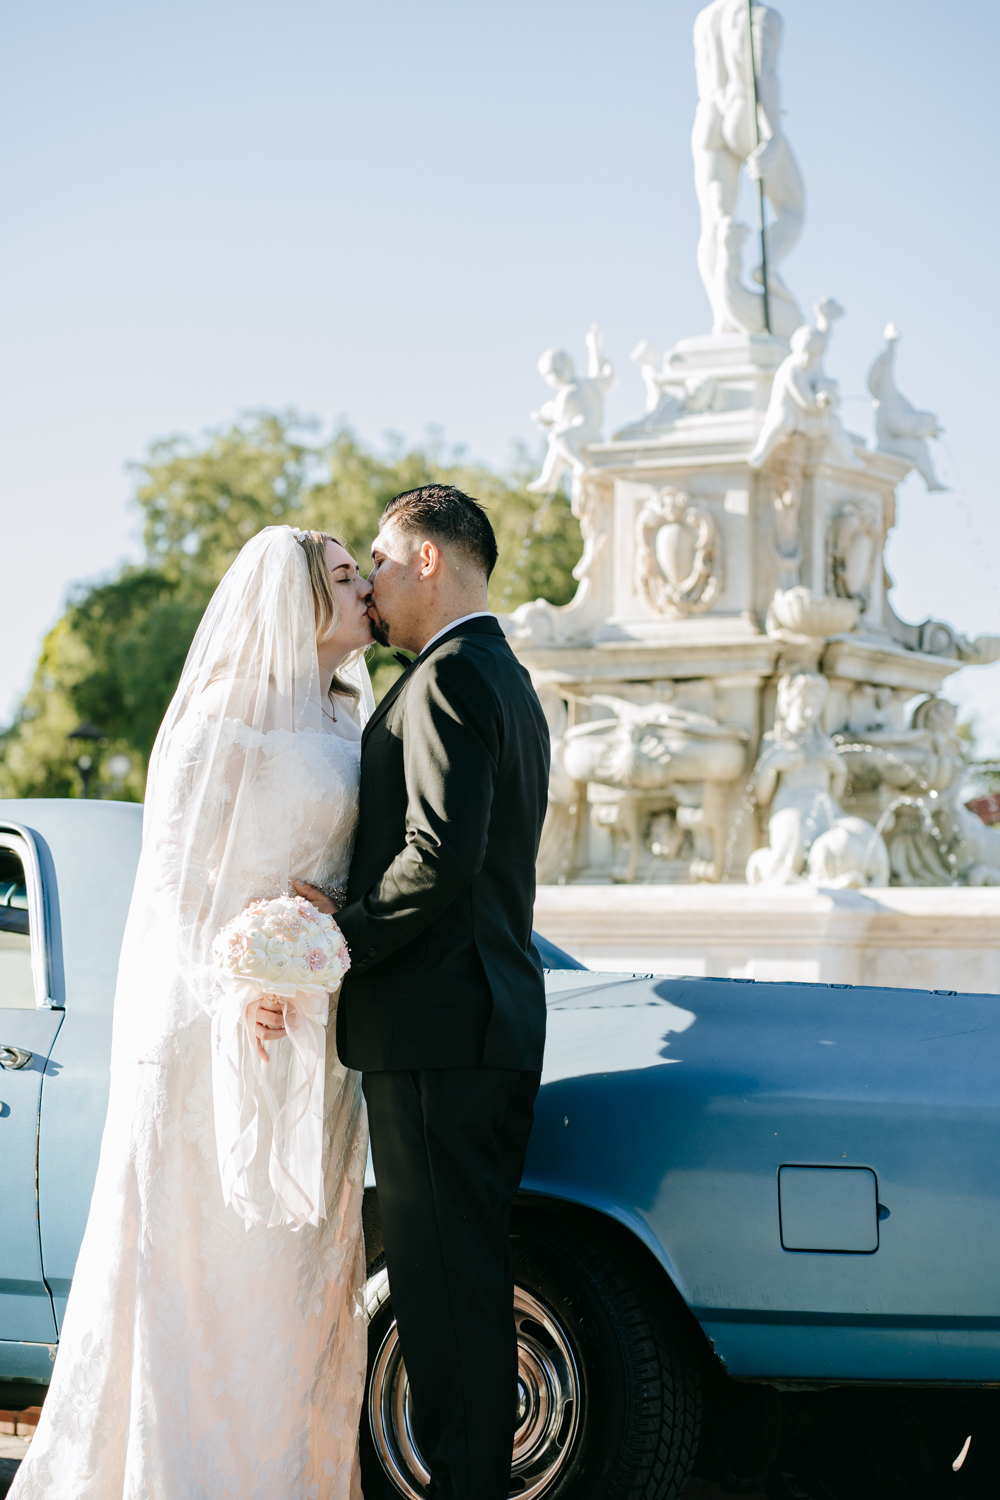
28,1027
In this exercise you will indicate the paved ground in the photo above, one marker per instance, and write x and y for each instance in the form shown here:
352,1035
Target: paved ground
12,1450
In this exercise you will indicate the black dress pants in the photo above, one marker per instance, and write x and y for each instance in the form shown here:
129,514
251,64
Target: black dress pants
448,1146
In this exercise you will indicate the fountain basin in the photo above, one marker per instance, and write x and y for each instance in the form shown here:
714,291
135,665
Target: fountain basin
945,938
805,613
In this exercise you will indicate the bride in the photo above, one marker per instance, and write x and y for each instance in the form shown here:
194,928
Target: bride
214,1341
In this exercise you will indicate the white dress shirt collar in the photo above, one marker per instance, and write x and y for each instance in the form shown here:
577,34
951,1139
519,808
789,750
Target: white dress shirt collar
479,614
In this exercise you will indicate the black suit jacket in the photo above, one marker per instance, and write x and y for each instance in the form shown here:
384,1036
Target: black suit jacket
454,784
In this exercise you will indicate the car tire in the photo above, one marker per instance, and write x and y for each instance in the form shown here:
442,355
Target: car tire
610,1390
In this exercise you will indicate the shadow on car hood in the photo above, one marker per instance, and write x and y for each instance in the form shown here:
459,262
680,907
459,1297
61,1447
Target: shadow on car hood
608,1023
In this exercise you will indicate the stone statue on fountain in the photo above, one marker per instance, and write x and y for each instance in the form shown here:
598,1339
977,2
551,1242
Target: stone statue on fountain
932,837
800,777
575,415
573,419
804,399
899,427
725,138
667,397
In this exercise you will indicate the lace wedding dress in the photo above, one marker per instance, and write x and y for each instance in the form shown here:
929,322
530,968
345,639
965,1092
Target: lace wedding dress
204,1357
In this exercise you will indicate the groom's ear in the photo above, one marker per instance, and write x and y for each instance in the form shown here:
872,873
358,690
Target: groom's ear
431,560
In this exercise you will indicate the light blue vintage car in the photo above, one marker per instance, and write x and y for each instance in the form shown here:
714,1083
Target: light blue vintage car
758,1237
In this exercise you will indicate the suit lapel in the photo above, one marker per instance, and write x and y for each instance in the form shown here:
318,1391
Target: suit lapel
387,701
487,626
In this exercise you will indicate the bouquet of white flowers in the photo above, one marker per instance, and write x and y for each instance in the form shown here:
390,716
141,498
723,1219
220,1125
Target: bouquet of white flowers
283,941
280,950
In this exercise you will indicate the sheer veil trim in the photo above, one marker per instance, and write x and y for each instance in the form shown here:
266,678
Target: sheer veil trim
356,673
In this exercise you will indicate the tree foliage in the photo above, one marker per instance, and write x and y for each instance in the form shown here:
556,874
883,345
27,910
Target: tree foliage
115,655
202,500
136,633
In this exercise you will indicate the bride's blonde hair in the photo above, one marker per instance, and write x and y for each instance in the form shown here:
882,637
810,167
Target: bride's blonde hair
313,544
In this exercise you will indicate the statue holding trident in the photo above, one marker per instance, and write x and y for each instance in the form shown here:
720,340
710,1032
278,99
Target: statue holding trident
738,123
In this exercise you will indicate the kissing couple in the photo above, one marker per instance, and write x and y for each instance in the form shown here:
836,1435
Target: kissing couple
214,1344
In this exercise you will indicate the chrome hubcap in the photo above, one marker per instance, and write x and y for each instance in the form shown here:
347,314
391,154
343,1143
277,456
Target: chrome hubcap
548,1405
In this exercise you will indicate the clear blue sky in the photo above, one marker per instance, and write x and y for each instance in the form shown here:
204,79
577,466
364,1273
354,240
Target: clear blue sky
384,212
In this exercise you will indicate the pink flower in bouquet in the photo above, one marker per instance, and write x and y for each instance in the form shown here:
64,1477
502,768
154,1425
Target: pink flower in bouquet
283,939
238,945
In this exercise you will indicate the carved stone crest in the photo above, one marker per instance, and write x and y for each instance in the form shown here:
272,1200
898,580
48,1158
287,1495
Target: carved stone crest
678,560
853,543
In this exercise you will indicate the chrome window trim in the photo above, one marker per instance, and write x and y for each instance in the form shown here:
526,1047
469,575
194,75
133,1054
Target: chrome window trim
20,841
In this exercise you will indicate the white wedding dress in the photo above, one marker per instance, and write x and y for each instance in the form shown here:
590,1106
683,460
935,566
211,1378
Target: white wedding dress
202,1357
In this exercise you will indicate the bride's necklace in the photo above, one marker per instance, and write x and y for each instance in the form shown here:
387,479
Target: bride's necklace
331,716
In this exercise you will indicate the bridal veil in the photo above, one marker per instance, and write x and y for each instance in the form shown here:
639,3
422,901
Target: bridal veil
232,813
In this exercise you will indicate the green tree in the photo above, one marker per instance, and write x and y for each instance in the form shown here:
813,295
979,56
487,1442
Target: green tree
115,655
36,759
203,499
136,632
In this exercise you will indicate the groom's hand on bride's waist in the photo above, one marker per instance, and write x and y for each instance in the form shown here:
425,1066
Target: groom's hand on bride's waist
319,898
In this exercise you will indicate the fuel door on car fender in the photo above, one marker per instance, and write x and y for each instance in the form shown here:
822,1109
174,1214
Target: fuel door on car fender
27,1030
832,1209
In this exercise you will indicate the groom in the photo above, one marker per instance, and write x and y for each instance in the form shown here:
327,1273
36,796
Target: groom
444,1007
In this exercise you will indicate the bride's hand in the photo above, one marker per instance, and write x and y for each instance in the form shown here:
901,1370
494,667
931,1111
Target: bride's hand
270,1026
318,898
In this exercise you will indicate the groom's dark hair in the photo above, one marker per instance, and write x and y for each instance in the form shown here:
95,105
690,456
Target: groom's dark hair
445,514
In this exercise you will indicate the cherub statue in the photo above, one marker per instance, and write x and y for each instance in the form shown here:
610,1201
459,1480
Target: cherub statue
668,395
899,427
800,776
660,385
803,399
691,394
575,415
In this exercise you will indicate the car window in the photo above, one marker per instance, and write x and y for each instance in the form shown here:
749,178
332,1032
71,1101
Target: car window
17,986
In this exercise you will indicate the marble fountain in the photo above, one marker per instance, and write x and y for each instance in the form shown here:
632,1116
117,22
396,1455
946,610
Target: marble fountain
755,772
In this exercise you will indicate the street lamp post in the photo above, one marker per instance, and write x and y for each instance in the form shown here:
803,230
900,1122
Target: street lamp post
87,734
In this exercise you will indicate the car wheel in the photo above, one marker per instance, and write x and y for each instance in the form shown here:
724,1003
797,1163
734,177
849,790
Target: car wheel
608,1392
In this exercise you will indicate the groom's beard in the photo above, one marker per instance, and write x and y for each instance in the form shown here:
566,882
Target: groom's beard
379,628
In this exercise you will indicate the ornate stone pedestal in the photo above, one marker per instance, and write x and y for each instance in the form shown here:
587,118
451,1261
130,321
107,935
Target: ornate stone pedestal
703,581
